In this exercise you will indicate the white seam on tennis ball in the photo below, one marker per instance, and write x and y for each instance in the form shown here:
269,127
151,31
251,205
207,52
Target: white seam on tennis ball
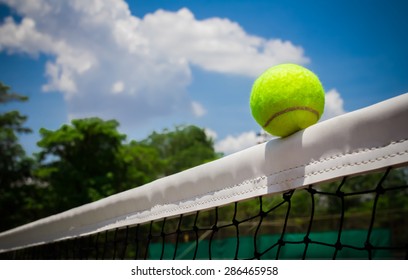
290,109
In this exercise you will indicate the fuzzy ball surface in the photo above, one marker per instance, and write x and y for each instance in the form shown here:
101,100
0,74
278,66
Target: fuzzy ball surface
287,98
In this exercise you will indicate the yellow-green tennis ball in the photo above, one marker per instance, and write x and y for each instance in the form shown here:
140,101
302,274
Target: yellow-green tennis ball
287,98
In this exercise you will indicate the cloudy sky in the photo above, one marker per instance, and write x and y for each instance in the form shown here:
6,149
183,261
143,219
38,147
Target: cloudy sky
155,64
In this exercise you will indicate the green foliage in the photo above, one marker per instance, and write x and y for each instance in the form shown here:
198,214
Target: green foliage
87,160
15,166
183,148
81,162
11,124
142,164
7,96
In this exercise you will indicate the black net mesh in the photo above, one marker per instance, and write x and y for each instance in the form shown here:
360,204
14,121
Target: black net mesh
361,217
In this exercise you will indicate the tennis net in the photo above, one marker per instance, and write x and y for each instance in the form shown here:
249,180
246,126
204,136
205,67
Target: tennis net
337,190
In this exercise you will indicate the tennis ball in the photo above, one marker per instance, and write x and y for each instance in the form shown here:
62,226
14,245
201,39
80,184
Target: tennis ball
287,98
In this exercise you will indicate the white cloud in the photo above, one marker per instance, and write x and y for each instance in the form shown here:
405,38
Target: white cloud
232,144
334,105
118,87
23,37
211,133
198,109
96,48
216,44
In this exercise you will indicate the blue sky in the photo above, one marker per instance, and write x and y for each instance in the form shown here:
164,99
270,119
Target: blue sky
155,64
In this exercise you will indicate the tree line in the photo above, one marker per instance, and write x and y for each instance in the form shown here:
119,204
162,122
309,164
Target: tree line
84,161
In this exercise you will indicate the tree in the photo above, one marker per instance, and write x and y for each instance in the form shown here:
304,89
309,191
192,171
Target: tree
142,164
87,160
183,148
81,162
13,160
15,166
